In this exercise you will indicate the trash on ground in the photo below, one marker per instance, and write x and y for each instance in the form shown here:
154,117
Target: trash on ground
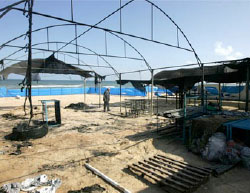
78,106
215,147
96,188
38,184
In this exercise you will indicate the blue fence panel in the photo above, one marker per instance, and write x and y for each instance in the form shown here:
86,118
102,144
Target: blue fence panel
161,91
56,91
35,92
15,92
76,91
3,92
68,91
232,89
212,90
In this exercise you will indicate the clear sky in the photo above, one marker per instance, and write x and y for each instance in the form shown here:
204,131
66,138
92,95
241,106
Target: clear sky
218,30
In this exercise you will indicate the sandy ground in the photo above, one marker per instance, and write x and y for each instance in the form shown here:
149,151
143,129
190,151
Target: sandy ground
107,141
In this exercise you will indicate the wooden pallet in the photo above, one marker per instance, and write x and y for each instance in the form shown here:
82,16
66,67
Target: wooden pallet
172,175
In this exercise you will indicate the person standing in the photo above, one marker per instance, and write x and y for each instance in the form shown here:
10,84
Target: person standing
106,98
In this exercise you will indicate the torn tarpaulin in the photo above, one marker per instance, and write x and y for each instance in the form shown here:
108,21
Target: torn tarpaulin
138,84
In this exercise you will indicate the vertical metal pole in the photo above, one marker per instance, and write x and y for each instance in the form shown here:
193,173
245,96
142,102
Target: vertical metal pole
152,91
239,97
152,22
76,38
220,96
84,90
125,51
247,88
120,16
48,37
72,13
166,95
178,43
29,68
157,113
120,78
106,46
176,104
185,115
202,87
57,49
100,92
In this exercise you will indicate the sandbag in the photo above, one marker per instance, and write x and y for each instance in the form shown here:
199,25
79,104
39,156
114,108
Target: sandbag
245,156
215,147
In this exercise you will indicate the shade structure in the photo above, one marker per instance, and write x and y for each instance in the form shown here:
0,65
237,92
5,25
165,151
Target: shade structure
49,65
228,72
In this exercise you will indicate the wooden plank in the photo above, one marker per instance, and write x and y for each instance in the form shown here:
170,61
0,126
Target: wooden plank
179,172
175,174
187,164
189,167
183,169
107,179
156,177
190,184
165,177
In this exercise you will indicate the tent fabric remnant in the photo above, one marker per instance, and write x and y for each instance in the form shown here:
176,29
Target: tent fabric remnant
227,72
49,65
138,84
233,71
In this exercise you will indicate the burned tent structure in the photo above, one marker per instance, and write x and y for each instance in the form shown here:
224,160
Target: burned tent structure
233,71
227,72
48,65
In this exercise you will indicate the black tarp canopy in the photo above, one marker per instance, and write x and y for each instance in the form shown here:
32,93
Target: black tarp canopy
49,65
227,72
233,71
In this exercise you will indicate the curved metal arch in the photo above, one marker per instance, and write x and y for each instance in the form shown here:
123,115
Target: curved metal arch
147,64
196,55
61,25
184,35
24,56
36,30
76,53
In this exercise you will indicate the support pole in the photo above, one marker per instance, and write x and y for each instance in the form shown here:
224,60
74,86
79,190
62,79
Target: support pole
202,87
166,95
84,90
220,96
48,37
152,91
184,115
100,93
176,99
247,88
152,22
120,16
120,78
239,97
29,68
72,11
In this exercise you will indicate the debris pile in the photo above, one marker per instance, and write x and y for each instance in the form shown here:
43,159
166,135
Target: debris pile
96,188
11,116
39,184
78,106
19,146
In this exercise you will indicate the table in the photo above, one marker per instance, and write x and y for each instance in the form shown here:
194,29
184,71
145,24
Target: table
241,124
